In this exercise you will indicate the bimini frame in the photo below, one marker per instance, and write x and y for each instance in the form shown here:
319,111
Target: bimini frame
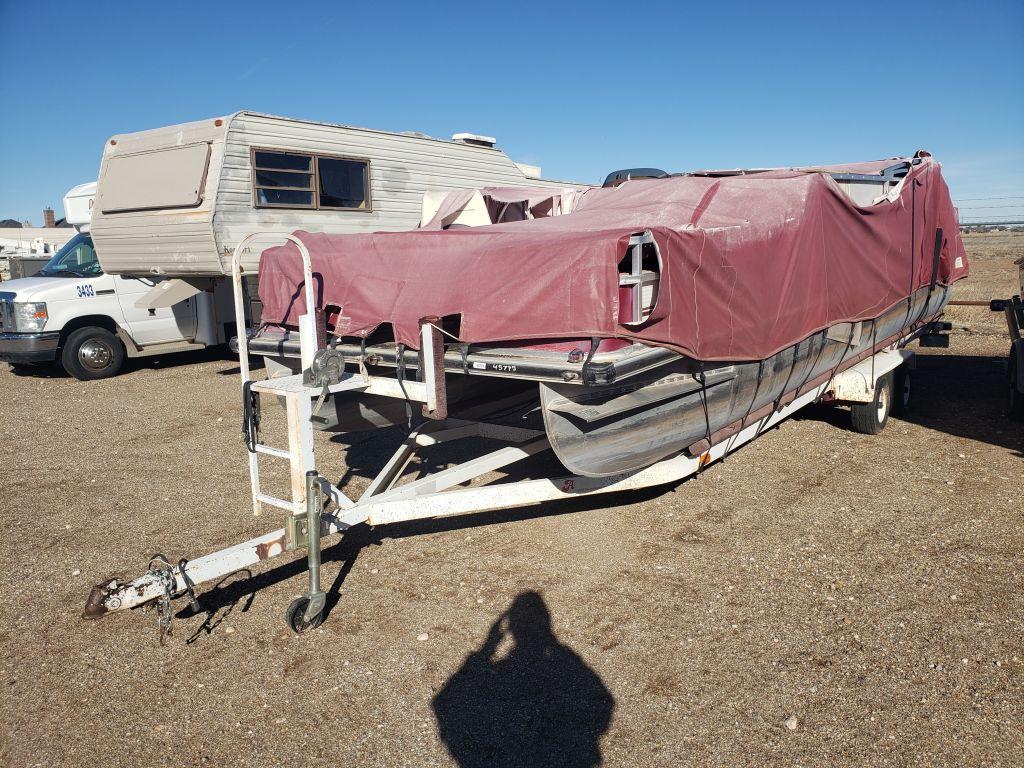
388,499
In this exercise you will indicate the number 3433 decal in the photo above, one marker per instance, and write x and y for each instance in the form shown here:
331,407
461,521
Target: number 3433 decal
85,290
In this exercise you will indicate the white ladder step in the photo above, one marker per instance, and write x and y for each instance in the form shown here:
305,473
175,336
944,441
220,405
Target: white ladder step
261,448
275,502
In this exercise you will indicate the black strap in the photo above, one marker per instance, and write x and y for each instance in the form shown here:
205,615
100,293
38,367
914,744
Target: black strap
935,270
811,368
707,415
250,417
595,342
842,359
190,586
400,371
785,387
400,364
757,391
935,256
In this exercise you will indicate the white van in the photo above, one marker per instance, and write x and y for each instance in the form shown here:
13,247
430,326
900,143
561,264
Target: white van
73,313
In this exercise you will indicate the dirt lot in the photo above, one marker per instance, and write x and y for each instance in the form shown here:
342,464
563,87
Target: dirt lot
865,590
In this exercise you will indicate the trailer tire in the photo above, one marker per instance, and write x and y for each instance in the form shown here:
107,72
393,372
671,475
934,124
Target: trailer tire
871,418
903,390
1014,399
91,353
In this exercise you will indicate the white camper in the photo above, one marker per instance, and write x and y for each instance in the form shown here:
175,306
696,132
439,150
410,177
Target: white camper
175,201
145,275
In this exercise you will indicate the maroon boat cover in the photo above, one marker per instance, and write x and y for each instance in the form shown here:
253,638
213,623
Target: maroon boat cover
751,264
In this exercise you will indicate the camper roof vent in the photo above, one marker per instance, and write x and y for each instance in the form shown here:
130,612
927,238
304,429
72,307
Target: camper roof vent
475,140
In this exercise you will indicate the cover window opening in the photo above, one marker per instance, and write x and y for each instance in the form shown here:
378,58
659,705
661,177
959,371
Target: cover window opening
639,276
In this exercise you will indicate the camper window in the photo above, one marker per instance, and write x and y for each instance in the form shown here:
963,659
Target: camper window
283,180
342,183
296,180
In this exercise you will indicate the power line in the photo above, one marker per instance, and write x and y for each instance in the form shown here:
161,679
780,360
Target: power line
989,207
989,222
977,199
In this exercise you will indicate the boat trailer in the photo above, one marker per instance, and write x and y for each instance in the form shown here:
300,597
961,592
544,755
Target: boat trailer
318,509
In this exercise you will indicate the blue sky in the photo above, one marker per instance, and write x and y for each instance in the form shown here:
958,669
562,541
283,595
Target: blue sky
580,89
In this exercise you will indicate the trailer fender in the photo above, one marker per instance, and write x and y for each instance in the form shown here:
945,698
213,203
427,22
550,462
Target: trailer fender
857,384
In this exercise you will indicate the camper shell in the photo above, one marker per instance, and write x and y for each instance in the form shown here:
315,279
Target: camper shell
175,201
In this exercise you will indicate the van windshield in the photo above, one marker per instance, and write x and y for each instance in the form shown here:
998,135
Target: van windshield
76,259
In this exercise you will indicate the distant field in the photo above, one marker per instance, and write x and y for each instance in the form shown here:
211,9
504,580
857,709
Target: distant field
993,276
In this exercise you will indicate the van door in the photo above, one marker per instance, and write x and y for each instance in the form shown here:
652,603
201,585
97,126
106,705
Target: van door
154,326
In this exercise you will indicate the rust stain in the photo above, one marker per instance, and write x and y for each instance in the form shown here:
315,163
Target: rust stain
269,549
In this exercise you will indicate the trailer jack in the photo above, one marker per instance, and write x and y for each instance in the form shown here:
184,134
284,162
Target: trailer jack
307,612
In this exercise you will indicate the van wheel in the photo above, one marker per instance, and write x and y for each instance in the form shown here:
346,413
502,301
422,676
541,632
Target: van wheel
871,418
92,353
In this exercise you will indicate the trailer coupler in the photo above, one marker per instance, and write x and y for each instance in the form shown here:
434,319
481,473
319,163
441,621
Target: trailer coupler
113,594
103,598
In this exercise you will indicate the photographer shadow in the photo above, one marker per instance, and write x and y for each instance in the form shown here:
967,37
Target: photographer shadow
538,705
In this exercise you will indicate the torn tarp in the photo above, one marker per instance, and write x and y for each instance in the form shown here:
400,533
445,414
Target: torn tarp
750,264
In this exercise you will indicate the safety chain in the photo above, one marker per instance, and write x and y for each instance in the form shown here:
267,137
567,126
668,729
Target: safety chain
161,568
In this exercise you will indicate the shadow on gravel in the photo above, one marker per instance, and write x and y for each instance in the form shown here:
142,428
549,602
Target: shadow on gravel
215,616
960,395
539,704
965,395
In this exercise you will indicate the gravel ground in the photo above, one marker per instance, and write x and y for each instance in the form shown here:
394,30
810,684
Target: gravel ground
820,598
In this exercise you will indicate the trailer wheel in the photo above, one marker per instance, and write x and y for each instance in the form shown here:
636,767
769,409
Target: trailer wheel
92,353
295,616
1014,399
871,418
902,390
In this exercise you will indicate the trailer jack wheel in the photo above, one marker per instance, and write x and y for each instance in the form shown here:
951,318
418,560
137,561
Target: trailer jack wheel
307,612
296,617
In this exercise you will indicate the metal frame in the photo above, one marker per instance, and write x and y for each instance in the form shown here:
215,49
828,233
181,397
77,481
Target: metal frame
394,497
604,368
